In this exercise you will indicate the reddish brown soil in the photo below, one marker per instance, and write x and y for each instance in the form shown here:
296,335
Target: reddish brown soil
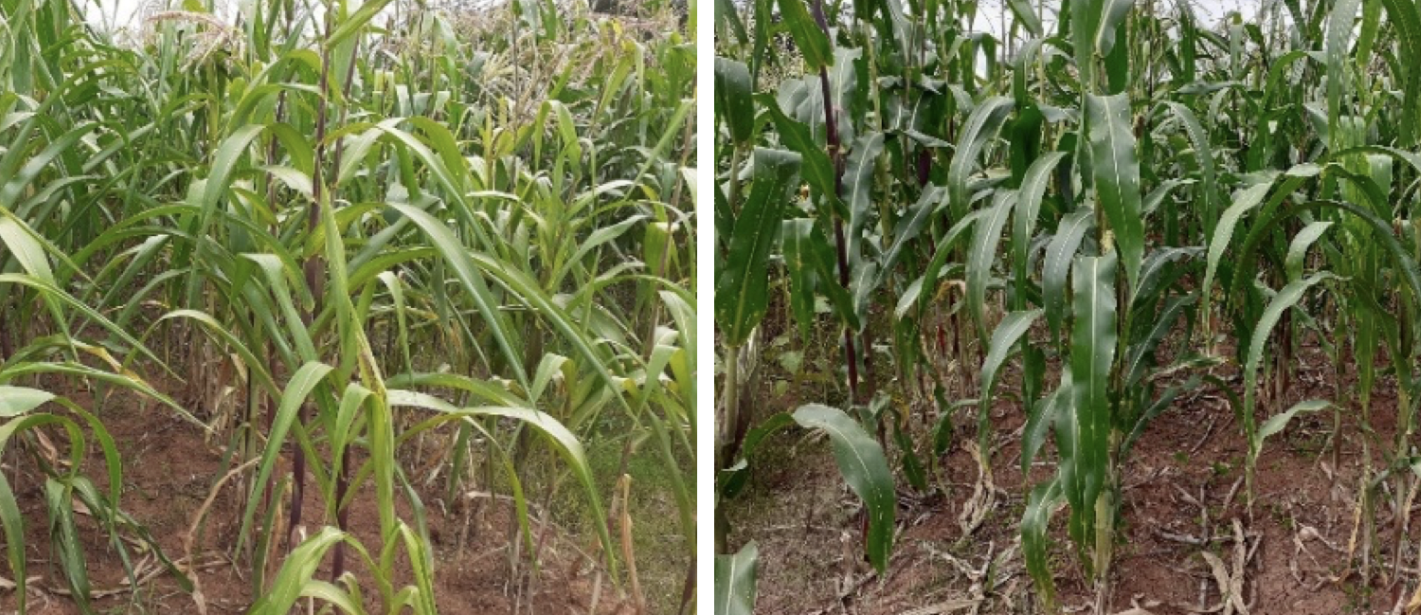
169,470
806,523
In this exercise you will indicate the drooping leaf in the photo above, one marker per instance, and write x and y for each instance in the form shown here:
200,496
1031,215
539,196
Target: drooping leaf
1246,201
1004,339
1298,247
1283,301
1276,423
982,254
981,126
1060,253
865,468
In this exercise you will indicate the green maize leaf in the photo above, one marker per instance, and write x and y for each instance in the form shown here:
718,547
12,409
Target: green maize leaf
981,126
735,581
1298,247
981,255
465,271
1028,206
811,42
817,169
732,99
1276,423
64,537
906,231
14,526
741,296
729,482
15,401
727,16
1246,201
1165,401
1013,326
1117,176
357,20
298,390
796,238
1340,25
25,246
858,188
1060,253
298,569
564,442
924,287
865,468
1286,298
1405,16
1093,342
1112,15
1045,413
1203,152
1026,16
1035,520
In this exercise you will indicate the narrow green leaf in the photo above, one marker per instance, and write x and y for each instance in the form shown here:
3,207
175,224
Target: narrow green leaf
1207,192
803,274
296,571
298,390
1060,253
1044,414
1276,423
1247,199
1035,520
1004,340
817,169
982,255
1298,247
1028,207
357,20
1283,301
1026,16
457,256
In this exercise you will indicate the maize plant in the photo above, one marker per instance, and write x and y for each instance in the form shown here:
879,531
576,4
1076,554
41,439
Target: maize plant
393,233
1111,201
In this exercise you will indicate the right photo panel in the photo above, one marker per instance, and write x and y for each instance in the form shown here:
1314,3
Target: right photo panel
1066,306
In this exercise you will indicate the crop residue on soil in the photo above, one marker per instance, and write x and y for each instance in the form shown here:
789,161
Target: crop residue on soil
1184,509
169,470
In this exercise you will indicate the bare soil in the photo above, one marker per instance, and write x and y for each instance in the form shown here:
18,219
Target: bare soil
170,469
1297,539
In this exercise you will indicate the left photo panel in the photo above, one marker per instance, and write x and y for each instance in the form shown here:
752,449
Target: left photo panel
348,306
